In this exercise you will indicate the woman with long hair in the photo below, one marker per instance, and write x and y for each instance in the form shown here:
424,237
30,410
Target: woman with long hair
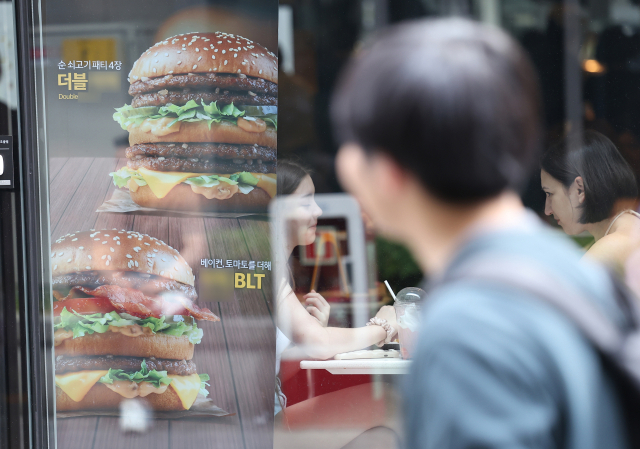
306,325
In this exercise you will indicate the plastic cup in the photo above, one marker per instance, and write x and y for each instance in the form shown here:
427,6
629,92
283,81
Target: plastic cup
408,305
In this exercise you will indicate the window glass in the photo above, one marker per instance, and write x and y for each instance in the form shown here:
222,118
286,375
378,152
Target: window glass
12,392
158,126
584,55
195,295
8,83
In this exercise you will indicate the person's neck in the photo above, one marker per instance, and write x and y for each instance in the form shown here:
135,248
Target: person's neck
290,247
448,225
598,230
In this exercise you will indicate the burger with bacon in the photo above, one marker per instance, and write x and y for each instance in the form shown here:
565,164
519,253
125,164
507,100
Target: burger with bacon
202,125
125,322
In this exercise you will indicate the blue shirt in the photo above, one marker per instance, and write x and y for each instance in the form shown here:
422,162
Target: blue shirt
497,368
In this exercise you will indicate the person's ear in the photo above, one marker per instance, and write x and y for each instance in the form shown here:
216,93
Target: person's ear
357,169
349,164
579,185
389,173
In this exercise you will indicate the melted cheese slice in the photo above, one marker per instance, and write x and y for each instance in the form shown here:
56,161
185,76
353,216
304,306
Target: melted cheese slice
77,385
186,387
161,183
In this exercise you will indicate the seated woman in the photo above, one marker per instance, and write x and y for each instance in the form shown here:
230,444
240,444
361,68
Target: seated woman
348,412
592,188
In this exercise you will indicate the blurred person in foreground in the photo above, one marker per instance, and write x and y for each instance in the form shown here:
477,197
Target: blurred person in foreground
590,187
439,126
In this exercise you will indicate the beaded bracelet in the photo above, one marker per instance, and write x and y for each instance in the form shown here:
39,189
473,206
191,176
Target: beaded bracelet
375,321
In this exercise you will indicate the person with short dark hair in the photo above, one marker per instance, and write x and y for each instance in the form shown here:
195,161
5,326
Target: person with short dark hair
439,126
451,113
590,187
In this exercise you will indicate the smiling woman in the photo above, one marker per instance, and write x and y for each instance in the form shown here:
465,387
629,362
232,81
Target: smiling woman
305,325
590,187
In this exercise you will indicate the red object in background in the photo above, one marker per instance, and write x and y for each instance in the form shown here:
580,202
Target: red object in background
328,252
298,385
37,52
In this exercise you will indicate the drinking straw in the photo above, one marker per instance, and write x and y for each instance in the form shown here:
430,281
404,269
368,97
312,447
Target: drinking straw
393,295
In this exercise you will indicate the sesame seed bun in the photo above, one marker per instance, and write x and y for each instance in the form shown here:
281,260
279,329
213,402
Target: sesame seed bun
118,251
161,346
206,53
223,132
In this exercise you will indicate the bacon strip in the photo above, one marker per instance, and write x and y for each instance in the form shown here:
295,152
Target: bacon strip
134,302
196,312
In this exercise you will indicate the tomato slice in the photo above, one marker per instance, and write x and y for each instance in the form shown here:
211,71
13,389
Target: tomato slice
83,305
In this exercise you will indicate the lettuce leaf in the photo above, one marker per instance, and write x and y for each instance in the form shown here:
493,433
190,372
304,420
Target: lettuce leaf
82,325
122,176
271,119
203,181
244,188
156,378
127,115
210,180
245,181
214,180
203,384
155,324
177,329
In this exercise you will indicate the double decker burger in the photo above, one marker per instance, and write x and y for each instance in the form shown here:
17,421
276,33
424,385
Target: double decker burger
202,125
125,322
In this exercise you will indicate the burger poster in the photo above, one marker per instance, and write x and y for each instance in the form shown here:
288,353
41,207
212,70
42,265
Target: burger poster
179,198
202,125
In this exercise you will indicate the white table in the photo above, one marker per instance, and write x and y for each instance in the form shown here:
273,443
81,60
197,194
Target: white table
359,366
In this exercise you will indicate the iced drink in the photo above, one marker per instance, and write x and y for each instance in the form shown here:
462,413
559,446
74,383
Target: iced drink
407,306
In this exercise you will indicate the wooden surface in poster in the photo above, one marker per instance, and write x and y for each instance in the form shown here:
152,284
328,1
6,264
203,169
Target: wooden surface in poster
238,352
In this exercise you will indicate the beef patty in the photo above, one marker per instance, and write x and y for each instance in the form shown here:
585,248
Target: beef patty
128,364
205,82
180,98
197,165
148,284
203,151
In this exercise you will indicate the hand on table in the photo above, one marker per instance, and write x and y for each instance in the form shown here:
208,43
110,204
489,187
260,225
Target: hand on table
318,307
389,313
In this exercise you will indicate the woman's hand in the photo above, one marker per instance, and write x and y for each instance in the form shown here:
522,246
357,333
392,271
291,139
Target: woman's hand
389,313
318,307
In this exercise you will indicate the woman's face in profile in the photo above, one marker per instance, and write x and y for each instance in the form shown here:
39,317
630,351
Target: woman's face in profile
305,216
562,203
